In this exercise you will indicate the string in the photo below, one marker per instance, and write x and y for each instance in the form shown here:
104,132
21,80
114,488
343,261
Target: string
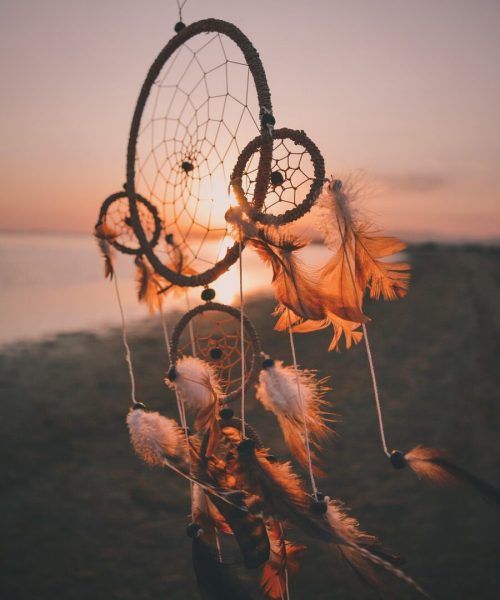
128,355
367,346
180,6
190,326
302,406
242,341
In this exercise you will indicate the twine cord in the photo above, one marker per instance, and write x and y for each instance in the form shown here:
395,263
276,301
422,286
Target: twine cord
302,406
242,341
128,354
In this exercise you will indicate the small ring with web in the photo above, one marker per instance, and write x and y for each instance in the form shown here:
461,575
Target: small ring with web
115,214
216,339
296,179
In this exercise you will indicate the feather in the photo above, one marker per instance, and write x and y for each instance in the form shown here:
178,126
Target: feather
248,528
156,439
280,489
340,327
215,579
279,393
354,545
283,560
104,236
177,263
149,284
357,264
293,284
433,465
197,386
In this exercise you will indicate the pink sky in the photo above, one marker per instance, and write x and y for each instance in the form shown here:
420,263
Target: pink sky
406,92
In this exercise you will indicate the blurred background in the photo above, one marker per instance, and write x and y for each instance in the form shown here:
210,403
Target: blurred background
403,95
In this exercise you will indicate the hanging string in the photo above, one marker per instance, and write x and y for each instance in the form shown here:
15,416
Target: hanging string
375,391
302,406
128,355
368,351
190,325
242,340
180,6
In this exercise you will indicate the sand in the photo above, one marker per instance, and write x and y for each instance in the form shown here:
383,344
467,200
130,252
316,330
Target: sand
83,518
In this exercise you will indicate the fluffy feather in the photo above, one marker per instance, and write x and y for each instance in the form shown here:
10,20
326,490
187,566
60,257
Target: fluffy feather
434,465
198,387
283,561
156,439
104,236
279,393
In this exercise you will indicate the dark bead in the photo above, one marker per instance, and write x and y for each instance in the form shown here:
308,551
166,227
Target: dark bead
319,507
319,496
277,178
215,353
138,406
179,26
336,185
128,221
267,363
398,460
169,238
246,446
208,294
271,458
192,530
171,375
187,166
267,119
226,413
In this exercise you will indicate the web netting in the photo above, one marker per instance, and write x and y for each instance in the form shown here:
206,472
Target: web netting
201,111
214,336
292,173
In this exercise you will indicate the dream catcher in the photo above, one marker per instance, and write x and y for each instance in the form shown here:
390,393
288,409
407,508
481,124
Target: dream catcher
203,129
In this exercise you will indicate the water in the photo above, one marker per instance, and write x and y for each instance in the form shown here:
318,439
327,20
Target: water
54,283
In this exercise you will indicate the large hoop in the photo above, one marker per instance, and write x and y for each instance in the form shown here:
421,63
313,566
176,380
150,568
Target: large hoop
264,99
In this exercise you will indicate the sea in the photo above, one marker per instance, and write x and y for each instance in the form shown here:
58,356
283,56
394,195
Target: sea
54,283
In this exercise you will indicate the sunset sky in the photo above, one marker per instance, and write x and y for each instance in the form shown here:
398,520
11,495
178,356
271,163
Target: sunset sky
405,92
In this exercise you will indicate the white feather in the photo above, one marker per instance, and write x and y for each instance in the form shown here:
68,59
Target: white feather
196,383
156,439
279,393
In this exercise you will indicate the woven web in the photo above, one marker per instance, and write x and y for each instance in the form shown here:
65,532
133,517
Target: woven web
292,173
201,112
217,340
117,217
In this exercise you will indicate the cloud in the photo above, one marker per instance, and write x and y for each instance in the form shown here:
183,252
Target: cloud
418,181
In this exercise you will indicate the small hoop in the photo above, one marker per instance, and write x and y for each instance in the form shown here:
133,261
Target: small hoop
254,208
155,236
251,374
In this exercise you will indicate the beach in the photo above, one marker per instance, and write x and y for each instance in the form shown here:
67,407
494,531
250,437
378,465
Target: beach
83,518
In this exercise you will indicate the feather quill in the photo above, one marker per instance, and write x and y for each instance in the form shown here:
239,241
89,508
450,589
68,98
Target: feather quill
279,393
104,236
434,465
